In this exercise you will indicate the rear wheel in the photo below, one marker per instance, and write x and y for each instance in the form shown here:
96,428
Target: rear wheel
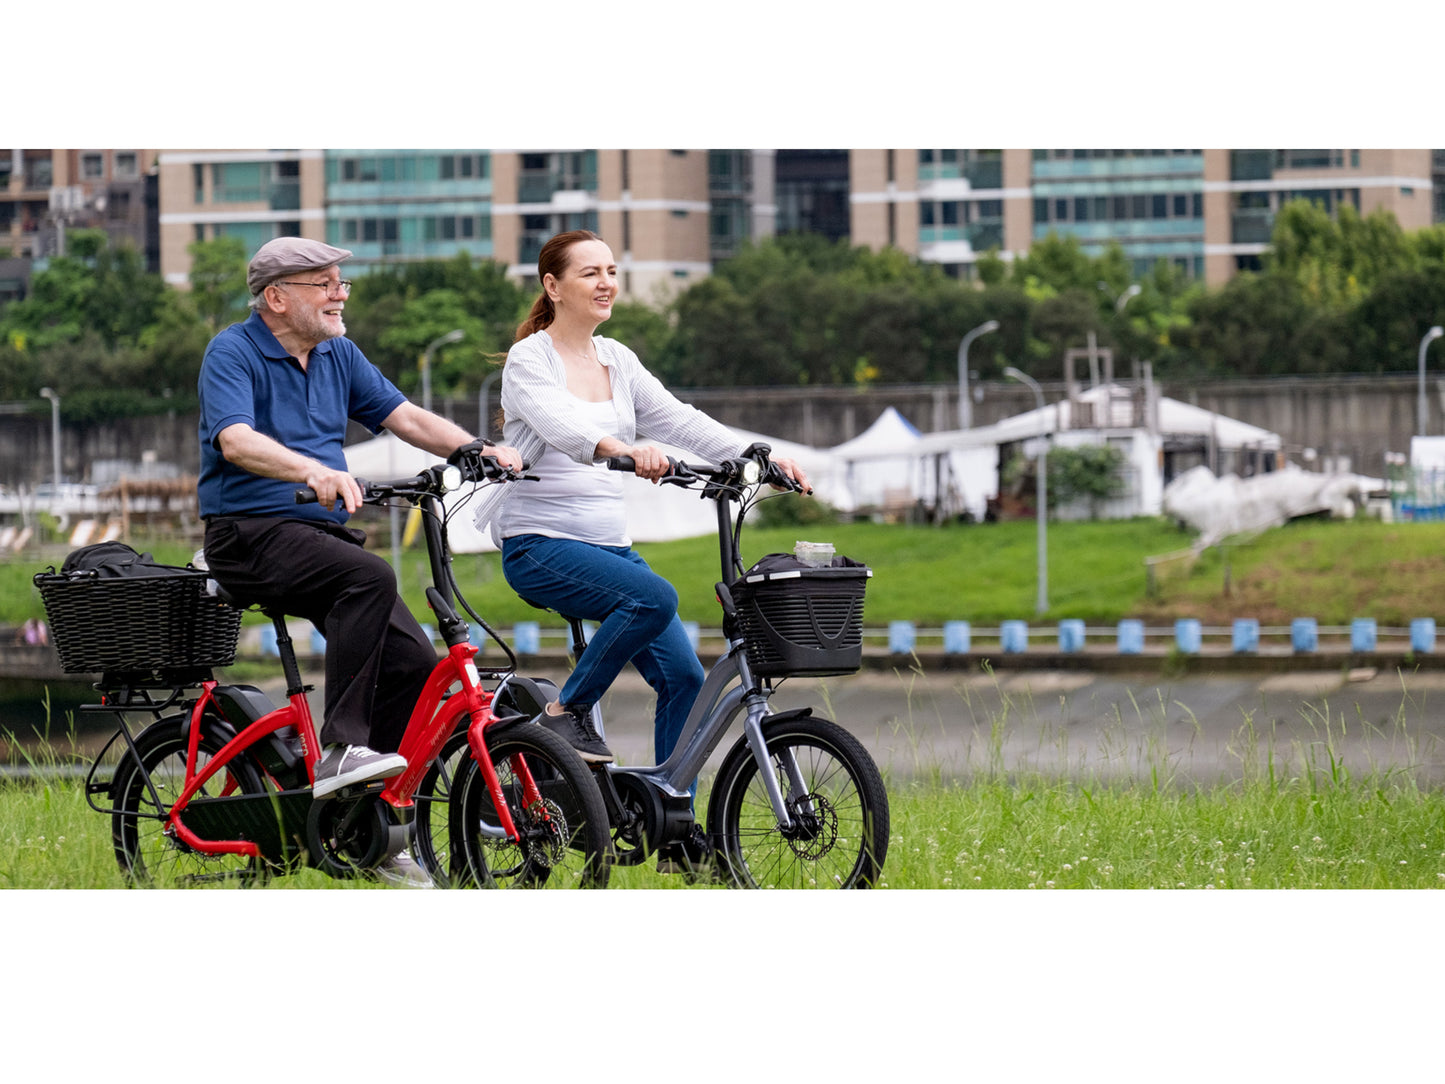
563,829
146,852
835,800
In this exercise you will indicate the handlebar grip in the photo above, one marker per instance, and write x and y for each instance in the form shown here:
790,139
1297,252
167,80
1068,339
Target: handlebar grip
306,495
621,462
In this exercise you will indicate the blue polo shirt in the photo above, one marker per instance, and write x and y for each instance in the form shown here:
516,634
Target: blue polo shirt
247,376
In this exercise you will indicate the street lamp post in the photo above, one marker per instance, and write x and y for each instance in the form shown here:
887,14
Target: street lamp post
449,337
1043,487
1133,291
49,393
1430,336
965,406
484,404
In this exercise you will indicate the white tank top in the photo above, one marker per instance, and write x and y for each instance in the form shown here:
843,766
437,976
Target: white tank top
571,499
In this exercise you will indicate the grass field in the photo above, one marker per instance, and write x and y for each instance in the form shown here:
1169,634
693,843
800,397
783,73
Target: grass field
1290,818
1333,571
992,831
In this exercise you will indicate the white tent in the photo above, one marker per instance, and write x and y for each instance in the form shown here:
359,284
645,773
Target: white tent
655,513
962,464
880,463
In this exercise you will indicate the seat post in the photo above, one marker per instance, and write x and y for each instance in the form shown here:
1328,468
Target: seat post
286,651
579,636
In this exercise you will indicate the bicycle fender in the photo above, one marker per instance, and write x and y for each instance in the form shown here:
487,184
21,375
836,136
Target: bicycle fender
770,721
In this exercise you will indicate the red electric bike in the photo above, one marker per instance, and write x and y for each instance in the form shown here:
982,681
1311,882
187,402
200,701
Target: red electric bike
218,786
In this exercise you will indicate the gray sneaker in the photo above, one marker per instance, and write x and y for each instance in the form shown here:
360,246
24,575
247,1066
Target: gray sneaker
577,731
342,765
402,870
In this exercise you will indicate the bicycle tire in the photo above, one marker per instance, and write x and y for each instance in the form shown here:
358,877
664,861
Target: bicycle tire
433,798
840,838
146,854
566,848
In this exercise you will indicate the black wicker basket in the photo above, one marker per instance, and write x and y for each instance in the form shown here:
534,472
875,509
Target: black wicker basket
168,621
803,621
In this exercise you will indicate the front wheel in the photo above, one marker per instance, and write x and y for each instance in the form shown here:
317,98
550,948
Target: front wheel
835,800
562,822
433,798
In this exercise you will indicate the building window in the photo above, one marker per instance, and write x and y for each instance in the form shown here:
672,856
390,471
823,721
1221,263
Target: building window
1313,159
92,166
125,165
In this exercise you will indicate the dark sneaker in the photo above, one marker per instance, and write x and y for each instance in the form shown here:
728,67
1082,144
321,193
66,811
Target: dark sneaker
403,870
342,765
692,856
578,732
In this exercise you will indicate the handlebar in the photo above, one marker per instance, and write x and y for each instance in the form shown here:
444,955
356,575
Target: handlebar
752,467
434,481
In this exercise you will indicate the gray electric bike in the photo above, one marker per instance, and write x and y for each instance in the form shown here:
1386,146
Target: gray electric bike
798,802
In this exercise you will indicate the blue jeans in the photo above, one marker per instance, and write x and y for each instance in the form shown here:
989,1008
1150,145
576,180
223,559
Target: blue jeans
636,611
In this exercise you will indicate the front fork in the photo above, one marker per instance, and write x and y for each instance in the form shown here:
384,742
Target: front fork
753,731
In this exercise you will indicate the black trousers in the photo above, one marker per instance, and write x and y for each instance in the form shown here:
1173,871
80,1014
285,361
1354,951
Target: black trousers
377,657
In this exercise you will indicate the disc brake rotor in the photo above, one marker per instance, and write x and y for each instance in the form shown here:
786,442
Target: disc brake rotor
546,834
815,827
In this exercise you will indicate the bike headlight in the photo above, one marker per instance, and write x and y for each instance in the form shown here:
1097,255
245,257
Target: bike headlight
751,472
451,478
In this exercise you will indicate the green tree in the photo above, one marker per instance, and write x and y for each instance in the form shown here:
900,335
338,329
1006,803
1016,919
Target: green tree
218,280
93,288
388,317
1085,472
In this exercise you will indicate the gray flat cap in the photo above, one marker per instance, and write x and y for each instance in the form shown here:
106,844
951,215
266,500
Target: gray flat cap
288,255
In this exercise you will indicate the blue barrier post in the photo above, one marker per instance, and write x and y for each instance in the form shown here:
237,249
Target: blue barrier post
1422,634
268,641
956,638
1131,636
1362,634
430,632
476,635
1188,635
694,633
1246,635
1015,637
1304,634
318,642
901,637
526,637
1071,635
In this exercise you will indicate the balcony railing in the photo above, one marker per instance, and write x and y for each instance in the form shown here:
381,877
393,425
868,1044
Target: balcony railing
1251,165
1251,227
540,188
985,174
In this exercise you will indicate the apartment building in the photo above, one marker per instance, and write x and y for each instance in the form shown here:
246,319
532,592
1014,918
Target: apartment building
255,195
44,193
1209,212
671,214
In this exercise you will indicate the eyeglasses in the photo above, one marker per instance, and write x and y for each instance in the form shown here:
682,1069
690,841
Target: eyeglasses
342,287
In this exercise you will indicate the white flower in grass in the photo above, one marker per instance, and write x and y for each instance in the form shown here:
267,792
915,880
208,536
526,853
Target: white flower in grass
1067,866
1048,884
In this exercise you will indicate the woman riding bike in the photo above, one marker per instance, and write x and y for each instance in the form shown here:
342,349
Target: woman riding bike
572,398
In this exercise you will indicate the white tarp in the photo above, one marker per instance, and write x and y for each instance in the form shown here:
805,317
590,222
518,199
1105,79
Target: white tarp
1220,507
